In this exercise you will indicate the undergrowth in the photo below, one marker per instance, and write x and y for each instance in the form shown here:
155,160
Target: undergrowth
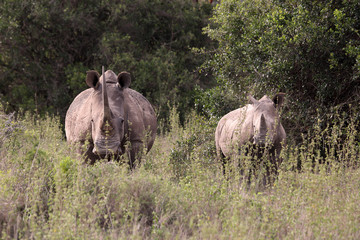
179,191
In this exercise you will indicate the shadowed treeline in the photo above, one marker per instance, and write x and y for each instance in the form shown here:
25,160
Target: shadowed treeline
47,47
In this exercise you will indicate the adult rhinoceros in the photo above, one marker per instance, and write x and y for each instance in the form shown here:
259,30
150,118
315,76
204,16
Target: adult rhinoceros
256,124
108,115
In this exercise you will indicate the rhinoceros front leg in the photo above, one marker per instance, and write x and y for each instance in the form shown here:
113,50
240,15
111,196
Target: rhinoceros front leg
86,151
135,153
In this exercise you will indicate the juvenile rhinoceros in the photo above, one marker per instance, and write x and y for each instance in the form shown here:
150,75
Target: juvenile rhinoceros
256,124
109,114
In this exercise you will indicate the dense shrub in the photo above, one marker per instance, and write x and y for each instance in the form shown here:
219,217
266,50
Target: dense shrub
308,49
47,47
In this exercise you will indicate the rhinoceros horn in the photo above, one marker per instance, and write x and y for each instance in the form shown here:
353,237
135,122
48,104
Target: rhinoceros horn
263,127
107,111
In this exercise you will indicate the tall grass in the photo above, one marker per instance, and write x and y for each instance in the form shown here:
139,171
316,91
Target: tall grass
179,190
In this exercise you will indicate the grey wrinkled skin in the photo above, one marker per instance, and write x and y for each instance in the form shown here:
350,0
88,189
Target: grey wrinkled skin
107,125
256,124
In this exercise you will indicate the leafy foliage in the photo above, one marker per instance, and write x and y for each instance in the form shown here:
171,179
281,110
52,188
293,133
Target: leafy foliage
47,47
39,41
154,42
308,49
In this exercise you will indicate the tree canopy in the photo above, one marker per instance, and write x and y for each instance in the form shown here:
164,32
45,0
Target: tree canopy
47,47
308,49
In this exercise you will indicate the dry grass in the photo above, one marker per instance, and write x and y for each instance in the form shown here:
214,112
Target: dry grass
178,192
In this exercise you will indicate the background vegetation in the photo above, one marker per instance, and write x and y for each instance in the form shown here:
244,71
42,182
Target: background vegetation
47,47
203,59
308,49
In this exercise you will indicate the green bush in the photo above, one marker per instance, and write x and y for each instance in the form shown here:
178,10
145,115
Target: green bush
307,49
47,47
195,142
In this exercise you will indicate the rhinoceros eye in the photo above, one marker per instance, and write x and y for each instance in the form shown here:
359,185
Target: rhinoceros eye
118,122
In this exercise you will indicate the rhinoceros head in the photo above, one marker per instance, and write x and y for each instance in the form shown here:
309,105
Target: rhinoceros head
107,110
266,120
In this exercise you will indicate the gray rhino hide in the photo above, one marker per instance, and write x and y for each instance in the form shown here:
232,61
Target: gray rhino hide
242,126
138,114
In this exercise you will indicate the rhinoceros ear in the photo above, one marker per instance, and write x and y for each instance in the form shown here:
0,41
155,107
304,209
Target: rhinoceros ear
279,99
92,78
124,79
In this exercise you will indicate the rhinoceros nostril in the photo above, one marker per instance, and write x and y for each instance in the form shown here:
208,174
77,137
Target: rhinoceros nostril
106,147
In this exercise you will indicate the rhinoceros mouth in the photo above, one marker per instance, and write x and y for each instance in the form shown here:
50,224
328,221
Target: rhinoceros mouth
107,148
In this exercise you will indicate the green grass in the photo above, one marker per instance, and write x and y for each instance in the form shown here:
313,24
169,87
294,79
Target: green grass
179,191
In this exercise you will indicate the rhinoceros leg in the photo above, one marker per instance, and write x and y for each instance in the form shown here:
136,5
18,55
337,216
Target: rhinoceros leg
224,161
86,150
135,153
90,156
